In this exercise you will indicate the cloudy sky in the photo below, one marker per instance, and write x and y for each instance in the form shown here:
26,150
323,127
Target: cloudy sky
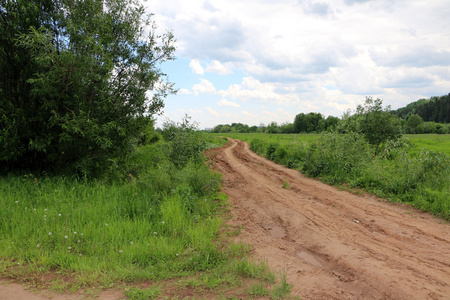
258,61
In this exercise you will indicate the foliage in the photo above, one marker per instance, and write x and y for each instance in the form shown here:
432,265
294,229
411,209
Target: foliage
435,109
337,157
185,143
376,124
74,82
308,122
414,124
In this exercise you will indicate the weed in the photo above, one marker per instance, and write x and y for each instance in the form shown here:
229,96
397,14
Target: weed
258,289
143,294
282,289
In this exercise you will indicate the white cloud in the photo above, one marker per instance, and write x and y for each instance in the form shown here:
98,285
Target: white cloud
196,67
184,92
212,111
204,87
216,67
225,102
315,55
252,90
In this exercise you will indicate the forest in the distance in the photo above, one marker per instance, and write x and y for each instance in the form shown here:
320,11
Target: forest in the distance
421,116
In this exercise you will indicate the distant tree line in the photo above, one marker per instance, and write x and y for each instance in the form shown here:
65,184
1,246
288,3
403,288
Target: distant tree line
303,123
422,116
426,115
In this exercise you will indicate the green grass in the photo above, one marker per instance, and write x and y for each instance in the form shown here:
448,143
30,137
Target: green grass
283,139
163,222
436,142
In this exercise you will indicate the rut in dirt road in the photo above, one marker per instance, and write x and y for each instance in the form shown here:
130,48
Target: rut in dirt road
333,244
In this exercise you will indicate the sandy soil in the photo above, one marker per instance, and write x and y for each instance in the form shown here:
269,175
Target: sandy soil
333,244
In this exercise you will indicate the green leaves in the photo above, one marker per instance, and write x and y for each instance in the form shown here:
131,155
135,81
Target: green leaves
377,125
75,81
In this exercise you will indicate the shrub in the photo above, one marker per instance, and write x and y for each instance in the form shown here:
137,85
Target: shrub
258,146
338,157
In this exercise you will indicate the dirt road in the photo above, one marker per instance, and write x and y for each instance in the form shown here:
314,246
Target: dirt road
333,244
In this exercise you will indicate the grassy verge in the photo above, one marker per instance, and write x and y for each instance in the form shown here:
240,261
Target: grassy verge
163,222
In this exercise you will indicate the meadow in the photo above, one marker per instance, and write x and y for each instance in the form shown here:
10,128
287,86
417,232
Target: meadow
435,142
413,170
164,219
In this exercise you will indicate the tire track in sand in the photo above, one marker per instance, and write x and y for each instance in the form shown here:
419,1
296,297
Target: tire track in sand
333,244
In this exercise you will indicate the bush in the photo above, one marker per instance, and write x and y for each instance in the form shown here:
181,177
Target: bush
338,157
258,146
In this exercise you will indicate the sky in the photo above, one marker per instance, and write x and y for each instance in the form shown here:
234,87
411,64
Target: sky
263,61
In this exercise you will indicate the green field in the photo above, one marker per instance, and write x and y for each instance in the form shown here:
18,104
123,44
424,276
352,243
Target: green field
436,142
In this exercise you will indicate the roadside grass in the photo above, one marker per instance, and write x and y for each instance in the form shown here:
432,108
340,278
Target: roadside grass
163,222
413,170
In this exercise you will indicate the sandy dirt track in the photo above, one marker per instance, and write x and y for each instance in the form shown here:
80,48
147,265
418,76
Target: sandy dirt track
333,244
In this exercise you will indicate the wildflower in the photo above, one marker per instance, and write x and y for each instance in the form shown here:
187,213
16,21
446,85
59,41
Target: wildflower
178,254
155,233
45,216
80,254
49,233
163,222
131,243
38,245
59,215
45,209
66,237
17,202
81,234
34,209
69,247
75,232
106,224
120,251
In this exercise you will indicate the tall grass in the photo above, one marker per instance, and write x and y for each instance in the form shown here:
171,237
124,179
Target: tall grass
163,217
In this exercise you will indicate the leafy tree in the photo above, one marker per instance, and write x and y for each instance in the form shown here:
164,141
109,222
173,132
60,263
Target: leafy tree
414,124
272,128
287,128
75,80
377,125
225,129
308,123
331,122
